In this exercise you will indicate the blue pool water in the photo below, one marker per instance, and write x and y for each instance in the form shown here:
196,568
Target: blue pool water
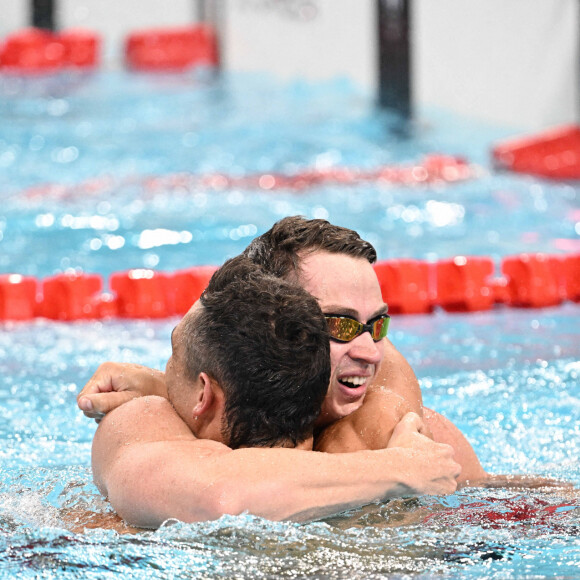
508,378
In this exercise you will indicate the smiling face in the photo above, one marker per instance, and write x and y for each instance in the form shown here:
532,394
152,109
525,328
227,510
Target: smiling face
346,286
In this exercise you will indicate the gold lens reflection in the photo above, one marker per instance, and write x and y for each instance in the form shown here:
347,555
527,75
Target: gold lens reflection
380,328
344,329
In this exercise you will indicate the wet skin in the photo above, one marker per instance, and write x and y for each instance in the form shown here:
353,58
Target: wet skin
346,286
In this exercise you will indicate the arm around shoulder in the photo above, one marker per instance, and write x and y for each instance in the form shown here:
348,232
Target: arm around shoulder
152,468
145,460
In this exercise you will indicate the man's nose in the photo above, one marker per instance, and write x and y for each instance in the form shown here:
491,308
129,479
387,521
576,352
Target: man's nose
364,348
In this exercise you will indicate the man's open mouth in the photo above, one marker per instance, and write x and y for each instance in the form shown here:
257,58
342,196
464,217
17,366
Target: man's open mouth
352,382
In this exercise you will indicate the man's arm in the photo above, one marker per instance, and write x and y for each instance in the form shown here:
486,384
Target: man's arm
152,468
116,383
371,427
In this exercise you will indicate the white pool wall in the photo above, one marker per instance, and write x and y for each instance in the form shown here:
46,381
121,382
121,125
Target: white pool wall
511,63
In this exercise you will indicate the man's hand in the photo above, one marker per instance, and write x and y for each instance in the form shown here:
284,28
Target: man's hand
116,383
371,426
436,470
407,430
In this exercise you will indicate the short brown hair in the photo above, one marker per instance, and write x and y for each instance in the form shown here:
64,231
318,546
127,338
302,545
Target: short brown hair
265,341
279,249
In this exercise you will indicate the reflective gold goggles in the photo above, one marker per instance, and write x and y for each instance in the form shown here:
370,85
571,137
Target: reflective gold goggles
345,328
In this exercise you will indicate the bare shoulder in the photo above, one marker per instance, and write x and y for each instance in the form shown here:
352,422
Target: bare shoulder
369,427
141,450
396,375
144,419
142,431
444,431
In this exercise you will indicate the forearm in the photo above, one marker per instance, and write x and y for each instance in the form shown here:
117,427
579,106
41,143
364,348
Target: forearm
276,484
307,485
151,467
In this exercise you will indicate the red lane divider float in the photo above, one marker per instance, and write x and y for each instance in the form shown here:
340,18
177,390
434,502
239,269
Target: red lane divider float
465,284
70,297
33,50
405,285
433,168
171,49
142,293
534,280
554,153
18,299
572,277
188,283
461,284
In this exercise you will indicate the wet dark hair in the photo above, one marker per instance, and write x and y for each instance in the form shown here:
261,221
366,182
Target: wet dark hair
280,249
265,341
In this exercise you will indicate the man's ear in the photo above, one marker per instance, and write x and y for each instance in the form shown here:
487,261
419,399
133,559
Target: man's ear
205,396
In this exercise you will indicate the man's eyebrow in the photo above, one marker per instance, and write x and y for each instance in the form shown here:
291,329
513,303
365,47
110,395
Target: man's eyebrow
352,313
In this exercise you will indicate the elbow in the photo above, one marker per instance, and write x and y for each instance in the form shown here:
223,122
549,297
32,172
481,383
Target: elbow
211,503
228,497
223,498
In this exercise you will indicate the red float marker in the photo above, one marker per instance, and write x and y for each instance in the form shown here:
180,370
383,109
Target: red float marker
571,266
32,50
17,297
554,154
533,280
188,286
105,305
499,287
70,296
81,48
464,284
142,293
171,48
405,285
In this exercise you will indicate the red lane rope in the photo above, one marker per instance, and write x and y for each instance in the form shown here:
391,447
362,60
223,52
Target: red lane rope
460,284
32,51
432,169
554,153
